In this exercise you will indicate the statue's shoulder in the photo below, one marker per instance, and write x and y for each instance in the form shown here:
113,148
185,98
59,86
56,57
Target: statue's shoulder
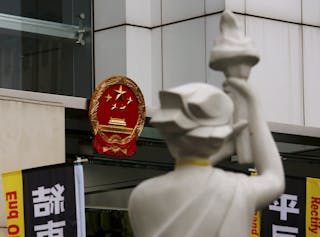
233,179
231,176
147,187
147,193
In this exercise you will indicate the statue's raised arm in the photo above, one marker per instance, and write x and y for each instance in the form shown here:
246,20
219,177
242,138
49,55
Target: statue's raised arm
234,55
202,125
269,183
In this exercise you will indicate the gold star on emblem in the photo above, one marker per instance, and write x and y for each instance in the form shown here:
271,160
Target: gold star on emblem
108,97
129,100
120,92
114,106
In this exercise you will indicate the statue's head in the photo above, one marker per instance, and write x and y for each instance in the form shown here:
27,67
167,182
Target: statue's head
195,120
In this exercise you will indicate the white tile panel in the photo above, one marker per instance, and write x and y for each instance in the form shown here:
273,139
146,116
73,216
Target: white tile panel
109,13
176,10
156,65
311,62
110,53
138,12
212,6
143,12
311,12
215,78
277,78
287,10
235,5
3,232
3,219
184,53
212,33
155,7
138,59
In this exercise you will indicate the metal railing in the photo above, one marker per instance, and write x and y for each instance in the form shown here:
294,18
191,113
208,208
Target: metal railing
35,26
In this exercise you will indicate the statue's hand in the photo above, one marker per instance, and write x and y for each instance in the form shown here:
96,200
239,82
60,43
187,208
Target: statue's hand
235,85
239,126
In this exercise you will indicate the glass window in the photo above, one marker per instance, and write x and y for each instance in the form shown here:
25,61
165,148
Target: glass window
57,10
41,62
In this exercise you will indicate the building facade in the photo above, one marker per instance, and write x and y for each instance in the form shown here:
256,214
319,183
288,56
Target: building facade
46,80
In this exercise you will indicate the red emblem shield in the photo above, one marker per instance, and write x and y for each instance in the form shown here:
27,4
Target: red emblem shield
117,115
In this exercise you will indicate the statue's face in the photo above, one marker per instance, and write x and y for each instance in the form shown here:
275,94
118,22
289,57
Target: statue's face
195,120
193,105
183,146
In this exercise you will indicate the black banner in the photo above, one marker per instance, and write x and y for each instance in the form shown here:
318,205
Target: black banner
285,217
49,202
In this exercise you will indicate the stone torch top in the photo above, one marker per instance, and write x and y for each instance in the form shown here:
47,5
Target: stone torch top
232,48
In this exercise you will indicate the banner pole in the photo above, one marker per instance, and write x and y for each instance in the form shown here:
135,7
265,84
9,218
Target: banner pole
80,198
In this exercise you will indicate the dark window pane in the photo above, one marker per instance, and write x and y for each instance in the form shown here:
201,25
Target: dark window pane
41,63
50,10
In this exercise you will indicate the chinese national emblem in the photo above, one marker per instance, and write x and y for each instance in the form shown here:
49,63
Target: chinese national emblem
117,115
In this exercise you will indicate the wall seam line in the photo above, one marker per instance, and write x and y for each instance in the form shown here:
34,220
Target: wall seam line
154,27
302,70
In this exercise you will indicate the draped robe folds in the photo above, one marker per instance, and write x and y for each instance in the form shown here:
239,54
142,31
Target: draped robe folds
193,201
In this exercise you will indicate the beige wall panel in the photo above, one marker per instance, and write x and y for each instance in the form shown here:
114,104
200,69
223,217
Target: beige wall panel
3,232
32,135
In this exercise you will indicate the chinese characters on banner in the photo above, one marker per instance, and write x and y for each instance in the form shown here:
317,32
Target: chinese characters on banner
295,214
45,202
285,217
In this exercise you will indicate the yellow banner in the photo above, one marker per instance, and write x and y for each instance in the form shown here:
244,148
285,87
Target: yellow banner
312,207
256,223
13,192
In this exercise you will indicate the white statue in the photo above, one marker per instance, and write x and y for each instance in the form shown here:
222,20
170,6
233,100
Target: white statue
196,199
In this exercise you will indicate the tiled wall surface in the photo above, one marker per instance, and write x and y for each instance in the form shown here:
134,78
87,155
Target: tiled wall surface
108,13
165,43
277,78
236,5
3,232
183,52
311,59
176,10
37,129
287,10
138,60
311,12
110,58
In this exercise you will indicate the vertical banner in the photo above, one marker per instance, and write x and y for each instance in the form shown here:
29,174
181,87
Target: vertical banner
49,197
13,192
312,207
80,203
256,223
50,201
285,217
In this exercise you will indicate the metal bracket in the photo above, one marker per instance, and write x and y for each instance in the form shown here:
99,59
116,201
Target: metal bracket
81,31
